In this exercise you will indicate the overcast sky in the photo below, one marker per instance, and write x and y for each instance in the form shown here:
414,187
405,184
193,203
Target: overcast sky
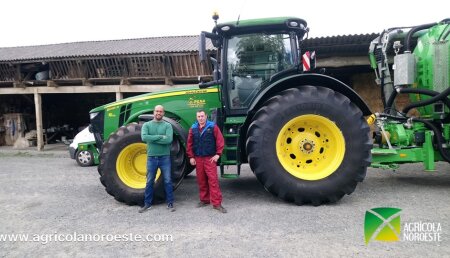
37,22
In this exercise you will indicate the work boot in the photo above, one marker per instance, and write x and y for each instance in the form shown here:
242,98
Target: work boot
220,208
201,204
145,208
170,207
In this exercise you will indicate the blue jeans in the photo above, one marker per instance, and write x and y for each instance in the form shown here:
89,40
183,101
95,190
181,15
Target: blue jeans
163,163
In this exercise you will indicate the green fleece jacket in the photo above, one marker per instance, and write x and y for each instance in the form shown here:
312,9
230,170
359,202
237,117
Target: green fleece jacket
158,136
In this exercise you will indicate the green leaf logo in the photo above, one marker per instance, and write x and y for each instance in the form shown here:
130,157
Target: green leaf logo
382,224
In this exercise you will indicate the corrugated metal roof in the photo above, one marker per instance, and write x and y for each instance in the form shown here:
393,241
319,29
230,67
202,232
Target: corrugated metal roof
347,45
174,44
344,45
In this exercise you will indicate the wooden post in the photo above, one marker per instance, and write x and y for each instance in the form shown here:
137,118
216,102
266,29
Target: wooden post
39,129
124,81
119,95
168,81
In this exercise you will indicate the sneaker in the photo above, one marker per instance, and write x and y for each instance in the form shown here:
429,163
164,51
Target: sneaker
170,207
220,208
145,208
202,204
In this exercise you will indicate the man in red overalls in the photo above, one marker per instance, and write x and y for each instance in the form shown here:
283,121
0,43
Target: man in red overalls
204,147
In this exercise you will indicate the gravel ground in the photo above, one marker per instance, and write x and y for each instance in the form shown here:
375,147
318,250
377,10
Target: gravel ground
47,195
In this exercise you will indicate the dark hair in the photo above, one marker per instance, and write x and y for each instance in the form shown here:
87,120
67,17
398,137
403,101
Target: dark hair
201,110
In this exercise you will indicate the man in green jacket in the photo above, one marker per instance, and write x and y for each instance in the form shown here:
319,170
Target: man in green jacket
158,134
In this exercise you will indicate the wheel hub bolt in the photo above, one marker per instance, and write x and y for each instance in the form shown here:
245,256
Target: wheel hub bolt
307,146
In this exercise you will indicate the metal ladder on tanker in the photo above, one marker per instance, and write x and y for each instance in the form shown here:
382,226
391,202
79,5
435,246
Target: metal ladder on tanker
231,151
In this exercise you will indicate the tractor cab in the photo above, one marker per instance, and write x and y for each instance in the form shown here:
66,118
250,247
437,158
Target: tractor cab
252,54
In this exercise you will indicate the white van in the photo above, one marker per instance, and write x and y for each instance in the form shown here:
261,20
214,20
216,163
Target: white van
84,158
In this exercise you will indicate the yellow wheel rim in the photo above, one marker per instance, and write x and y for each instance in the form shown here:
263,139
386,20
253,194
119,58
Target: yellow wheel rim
131,165
310,147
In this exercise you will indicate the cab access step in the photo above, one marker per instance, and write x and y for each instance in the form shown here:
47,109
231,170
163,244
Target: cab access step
231,151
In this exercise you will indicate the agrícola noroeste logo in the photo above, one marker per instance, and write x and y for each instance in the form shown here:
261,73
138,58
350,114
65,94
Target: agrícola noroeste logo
384,224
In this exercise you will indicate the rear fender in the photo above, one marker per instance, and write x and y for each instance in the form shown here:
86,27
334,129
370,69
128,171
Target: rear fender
311,79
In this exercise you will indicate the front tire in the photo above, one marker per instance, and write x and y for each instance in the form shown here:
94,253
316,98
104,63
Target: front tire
84,158
123,167
309,145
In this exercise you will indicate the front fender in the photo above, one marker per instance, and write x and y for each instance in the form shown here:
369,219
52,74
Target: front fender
176,126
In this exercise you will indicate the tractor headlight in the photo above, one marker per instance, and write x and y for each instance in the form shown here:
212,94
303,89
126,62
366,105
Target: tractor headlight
93,115
293,24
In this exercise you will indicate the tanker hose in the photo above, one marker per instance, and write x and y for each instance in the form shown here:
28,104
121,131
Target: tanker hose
446,34
397,118
414,30
390,101
383,96
439,138
436,97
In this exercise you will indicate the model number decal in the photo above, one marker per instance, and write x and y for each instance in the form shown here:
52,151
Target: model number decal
196,91
196,103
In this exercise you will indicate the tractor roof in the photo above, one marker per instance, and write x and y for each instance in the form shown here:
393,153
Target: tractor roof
264,24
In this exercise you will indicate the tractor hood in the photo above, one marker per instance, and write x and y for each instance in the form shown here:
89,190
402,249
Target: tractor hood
180,104
147,96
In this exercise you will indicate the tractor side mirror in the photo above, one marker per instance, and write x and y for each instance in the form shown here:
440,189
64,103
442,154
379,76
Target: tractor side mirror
202,47
216,76
215,40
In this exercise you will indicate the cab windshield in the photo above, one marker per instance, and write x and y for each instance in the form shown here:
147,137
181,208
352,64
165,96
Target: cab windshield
252,60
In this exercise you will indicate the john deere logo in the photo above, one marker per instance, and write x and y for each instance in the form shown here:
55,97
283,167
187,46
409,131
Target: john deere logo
382,224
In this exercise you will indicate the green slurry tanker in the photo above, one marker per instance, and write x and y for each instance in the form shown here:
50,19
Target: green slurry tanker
305,135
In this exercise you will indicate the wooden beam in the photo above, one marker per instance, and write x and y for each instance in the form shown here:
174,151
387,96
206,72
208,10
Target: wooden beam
39,129
51,84
124,81
168,81
90,89
86,82
18,85
342,61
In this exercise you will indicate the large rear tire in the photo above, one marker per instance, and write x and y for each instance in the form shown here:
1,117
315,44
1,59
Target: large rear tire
309,145
123,168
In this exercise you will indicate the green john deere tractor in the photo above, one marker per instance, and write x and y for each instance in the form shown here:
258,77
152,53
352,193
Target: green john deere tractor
304,134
